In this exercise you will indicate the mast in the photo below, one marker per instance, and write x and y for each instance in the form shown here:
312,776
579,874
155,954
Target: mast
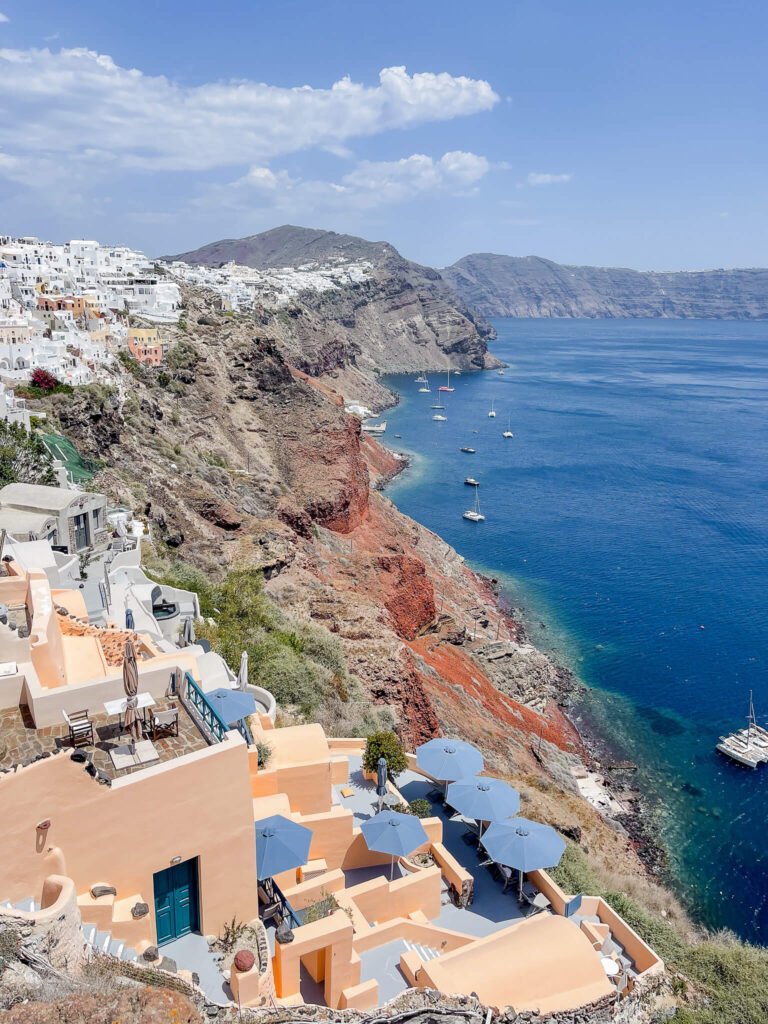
751,718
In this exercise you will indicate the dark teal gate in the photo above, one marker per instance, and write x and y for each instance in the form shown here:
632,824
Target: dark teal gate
176,901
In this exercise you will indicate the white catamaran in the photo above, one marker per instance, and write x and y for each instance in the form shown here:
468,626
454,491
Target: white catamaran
474,515
747,746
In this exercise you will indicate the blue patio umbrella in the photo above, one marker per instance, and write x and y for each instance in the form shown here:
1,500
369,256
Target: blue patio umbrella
281,844
483,798
231,705
448,760
129,621
524,845
394,833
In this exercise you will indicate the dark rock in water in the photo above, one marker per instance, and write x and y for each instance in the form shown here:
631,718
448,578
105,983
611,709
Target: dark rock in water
664,725
688,787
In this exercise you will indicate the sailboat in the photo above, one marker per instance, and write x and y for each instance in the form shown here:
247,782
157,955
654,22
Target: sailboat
474,515
508,431
421,379
439,416
424,389
747,746
492,413
438,405
447,387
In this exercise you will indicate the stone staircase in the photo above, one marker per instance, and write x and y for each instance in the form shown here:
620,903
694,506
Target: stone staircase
102,942
98,941
425,952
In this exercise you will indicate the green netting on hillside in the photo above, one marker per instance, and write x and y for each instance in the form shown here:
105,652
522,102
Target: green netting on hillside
61,448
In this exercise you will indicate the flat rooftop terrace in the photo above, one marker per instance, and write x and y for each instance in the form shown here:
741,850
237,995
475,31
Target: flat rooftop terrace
21,742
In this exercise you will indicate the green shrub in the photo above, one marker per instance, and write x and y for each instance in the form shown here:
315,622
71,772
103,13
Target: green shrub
24,457
420,807
264,752
386,745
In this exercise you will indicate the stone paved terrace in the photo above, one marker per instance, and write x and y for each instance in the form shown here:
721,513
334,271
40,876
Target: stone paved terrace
20,742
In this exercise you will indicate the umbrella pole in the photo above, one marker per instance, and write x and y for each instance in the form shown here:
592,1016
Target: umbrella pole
392,868
520,892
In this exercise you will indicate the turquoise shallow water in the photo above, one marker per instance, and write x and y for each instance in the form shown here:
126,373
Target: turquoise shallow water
629,515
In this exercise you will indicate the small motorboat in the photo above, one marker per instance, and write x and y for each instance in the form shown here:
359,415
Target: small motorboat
398,435
471,482
468,450
437,405
440,418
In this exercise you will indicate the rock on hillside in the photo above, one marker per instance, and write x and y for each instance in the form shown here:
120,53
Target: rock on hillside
400,317
535,287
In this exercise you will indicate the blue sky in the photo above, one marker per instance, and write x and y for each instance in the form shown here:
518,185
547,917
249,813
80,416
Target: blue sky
596,132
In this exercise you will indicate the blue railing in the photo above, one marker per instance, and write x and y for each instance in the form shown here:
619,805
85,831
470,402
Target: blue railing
287,909
211,718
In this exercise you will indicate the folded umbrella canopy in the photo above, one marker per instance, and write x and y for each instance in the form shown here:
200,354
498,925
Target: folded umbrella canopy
281,845
242,675
394,833
131,687
231,705
129,620
448,760
524,845
483,798
381,780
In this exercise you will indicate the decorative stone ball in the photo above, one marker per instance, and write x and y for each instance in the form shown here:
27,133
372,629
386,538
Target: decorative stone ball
244,960
151,953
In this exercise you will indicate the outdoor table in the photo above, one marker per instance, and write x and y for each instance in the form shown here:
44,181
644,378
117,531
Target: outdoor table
117,707
610,966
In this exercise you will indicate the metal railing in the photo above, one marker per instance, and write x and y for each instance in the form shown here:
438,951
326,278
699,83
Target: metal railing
208,714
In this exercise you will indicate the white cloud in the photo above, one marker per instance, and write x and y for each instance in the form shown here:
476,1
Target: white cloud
81,106
535,178
4,18
368,185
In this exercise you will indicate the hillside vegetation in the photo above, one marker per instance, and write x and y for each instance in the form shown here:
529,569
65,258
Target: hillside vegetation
302,664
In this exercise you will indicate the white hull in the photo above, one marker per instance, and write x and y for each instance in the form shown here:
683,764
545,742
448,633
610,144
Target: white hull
474,517
441,419
375,428
507,433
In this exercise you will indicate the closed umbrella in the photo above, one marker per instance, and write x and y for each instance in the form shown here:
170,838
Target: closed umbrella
394,833
231,705
448,760
524,845
131,687
281,845
129,620
381,780
483,798
242,675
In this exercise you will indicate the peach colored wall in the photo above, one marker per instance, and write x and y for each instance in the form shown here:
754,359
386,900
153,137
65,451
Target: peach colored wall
381,900
644,957
364,996
196,806
339,969
640,951
546,964
453,872
346,745
307,893
307,785
332,835
46,649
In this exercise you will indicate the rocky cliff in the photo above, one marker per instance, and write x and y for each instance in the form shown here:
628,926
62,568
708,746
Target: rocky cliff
533,287
399,317
238,459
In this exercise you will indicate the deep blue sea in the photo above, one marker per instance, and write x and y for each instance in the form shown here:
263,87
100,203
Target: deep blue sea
629,517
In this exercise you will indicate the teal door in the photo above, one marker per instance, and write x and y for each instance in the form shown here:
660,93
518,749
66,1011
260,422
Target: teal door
176,901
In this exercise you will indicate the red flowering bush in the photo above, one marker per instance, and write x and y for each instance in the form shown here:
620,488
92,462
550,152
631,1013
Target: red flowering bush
43,380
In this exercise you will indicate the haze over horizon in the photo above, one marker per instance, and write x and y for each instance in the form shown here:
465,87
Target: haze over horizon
606,136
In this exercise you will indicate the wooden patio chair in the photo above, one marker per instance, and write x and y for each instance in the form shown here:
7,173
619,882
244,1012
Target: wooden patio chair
80,728
165,723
